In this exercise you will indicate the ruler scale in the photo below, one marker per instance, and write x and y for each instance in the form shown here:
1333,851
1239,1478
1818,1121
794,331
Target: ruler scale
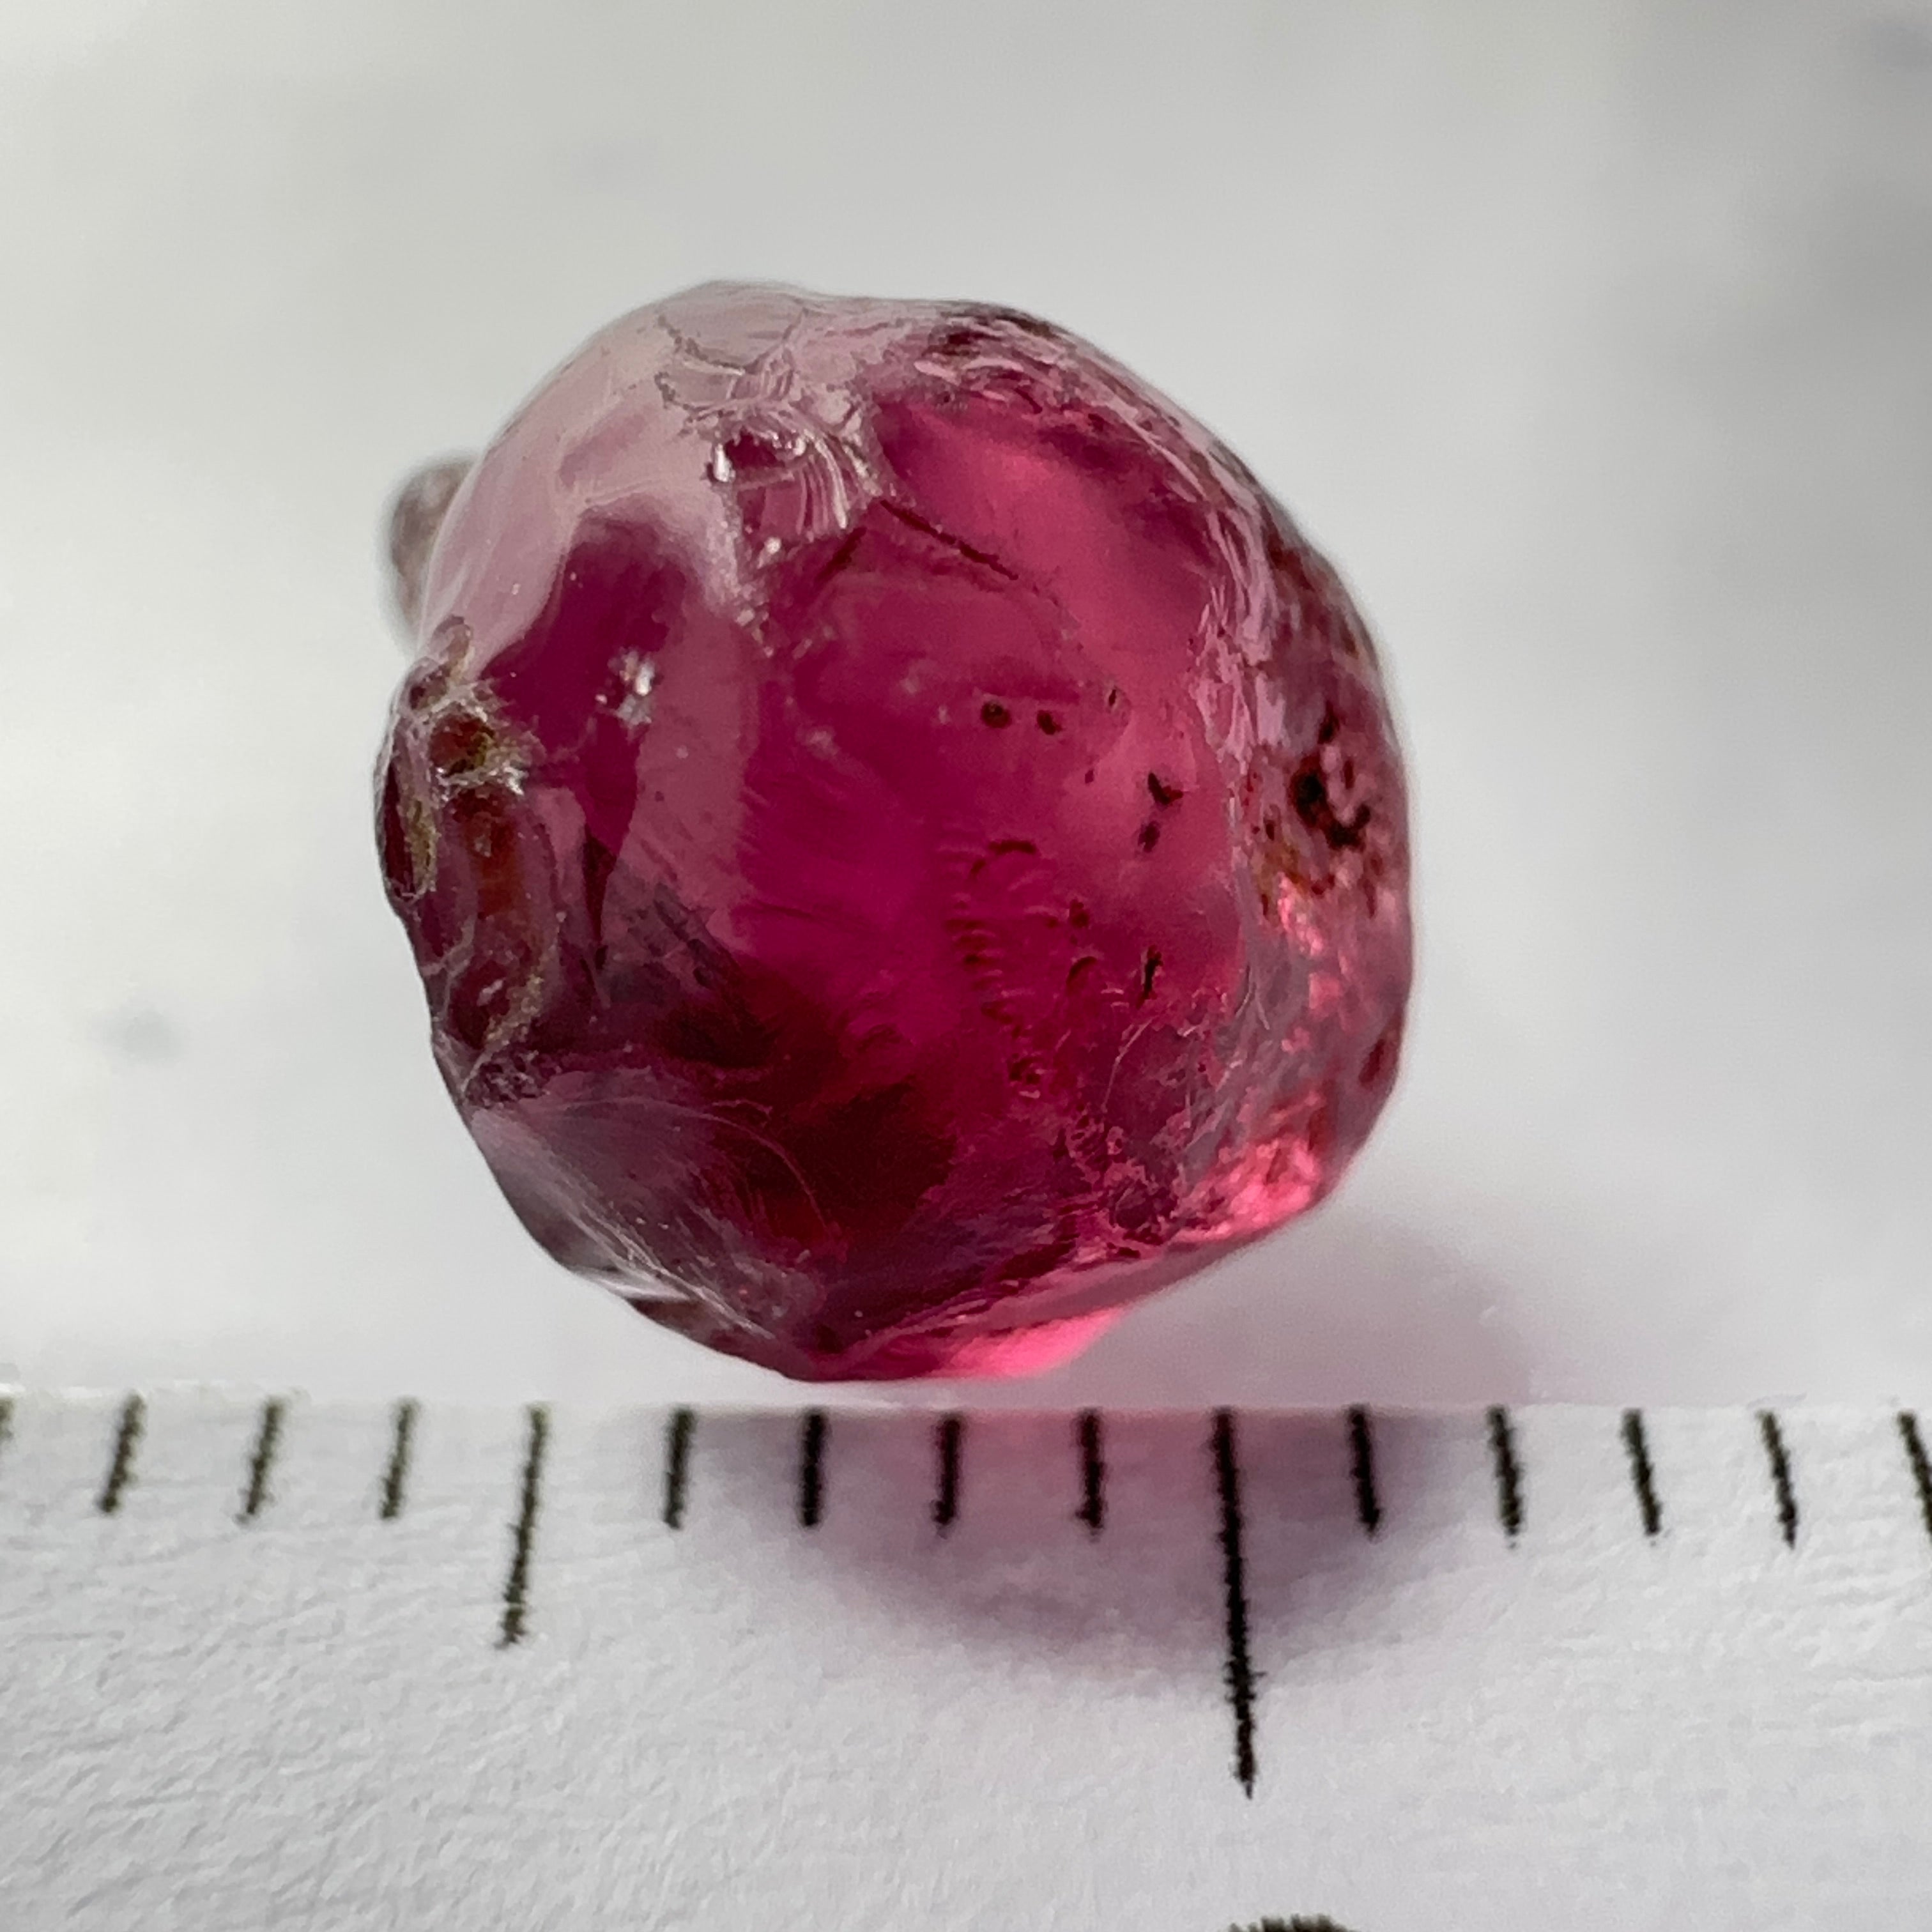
265,1662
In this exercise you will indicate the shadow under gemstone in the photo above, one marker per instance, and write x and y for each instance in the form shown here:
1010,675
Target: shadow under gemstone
1114,1547
1344,1307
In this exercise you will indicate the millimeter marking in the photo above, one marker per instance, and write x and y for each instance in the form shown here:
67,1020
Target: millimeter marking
120,1465
1779,1457
1509,1471
1093,1509
522,1531
1362,1469
1238,1670
1920,1465
811,1468
677,1465
945,1504
262,1460
396,1473
1643,1476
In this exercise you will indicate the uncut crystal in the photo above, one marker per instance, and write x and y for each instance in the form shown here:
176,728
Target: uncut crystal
903,841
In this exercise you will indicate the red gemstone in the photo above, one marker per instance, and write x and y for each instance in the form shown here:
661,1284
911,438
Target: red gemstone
903,840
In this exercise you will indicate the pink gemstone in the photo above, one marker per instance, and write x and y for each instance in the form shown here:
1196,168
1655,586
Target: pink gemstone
903,841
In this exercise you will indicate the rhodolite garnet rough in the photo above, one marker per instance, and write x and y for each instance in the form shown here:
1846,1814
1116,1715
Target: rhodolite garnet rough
903,840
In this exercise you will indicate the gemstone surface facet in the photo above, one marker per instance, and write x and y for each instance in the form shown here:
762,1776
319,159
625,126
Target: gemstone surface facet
903,841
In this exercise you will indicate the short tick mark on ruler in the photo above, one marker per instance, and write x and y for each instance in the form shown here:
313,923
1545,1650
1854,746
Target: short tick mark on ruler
1086,1435
677,1465
1238,1671
1916,1461
120,1465
811,1468
1362,1469
1643,1477
255,1495
945,1504
1779,1457
1508,1470
522,1530
396,1476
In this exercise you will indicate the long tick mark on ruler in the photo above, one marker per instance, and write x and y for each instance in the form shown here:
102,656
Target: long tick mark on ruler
677,1465
1508,1472
1779,1457
1643,1477
1088,1437
524,1530
262,1460
1238,1670
1297,1924
1917,1461
396,1475
121,1464
1362,1469
947,1438
811,1468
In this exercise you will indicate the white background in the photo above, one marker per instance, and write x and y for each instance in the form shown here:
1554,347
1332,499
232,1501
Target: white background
1594,340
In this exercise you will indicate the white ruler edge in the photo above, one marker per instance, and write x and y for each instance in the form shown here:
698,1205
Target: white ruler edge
272,1662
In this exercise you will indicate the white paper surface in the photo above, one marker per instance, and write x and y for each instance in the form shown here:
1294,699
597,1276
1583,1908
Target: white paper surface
307,1720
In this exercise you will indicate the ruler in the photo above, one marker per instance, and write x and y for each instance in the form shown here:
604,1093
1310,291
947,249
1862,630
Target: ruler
268,1663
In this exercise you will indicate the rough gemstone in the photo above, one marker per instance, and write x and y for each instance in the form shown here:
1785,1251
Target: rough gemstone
903,840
